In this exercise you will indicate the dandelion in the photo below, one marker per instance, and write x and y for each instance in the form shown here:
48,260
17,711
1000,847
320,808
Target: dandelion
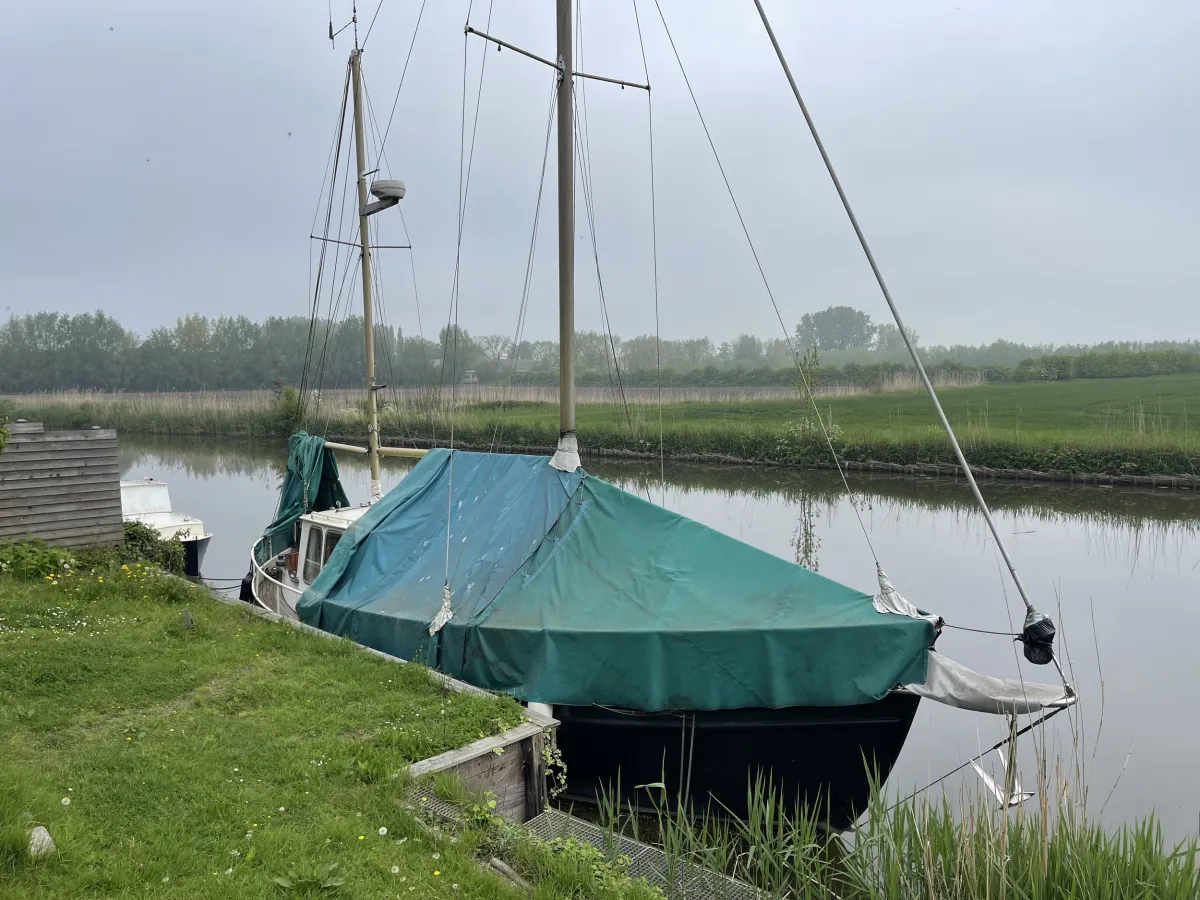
395,870
382,831
229,871
166,879
437,856
66,801
362,837
281,809
436,873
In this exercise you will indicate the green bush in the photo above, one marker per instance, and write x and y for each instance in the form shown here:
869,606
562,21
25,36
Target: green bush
29,560
142,544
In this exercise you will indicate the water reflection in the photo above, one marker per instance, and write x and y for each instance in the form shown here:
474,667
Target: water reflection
1117,568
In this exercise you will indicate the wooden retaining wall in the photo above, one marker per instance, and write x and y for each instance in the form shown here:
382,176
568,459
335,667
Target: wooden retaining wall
62,487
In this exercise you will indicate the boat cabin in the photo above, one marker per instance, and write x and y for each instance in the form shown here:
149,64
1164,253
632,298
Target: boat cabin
319,533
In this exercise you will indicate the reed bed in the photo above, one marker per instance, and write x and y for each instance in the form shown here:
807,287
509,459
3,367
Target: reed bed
463,395
969,849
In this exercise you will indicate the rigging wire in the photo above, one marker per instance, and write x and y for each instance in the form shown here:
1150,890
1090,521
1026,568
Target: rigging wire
527,286
590,211
583,141
1007,740
382,156
403,72
887,295
662,468
766,283
465,163
377,278
330,178
367,36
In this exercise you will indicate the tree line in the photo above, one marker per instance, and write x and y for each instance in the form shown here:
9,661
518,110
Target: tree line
93,351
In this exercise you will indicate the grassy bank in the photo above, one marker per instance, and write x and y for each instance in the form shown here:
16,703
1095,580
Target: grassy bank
1113,426
238,758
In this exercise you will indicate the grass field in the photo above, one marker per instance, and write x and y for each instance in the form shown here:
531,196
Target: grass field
1137,426
213,761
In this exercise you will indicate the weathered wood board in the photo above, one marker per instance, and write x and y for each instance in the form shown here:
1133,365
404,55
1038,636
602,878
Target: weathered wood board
62,487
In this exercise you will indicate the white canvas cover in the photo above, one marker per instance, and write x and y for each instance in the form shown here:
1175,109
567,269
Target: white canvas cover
953,684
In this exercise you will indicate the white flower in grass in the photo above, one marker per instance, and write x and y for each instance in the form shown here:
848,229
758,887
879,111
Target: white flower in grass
382,831
66,801
395,870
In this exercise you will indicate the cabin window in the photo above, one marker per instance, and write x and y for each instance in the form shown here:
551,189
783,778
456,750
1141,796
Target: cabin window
331,541
312,555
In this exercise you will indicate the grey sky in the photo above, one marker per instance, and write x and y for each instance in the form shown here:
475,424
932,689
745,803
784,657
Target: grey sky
1024,169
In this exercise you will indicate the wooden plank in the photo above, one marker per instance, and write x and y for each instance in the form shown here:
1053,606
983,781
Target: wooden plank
62,439
50,486
49,455
57,437
501,774
101,533
535,776
77,474
110,468
22,449
49,466
40,506
453,758
88,517
15,428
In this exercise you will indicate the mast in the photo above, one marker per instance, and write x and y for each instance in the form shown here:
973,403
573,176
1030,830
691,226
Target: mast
567,456
364,241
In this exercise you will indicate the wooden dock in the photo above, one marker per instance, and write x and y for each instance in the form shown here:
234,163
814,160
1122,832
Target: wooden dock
62,487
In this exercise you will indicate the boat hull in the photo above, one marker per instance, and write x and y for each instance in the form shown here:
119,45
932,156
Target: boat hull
817,755
193,554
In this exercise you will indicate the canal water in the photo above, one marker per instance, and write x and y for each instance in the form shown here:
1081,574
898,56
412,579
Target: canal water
1118,569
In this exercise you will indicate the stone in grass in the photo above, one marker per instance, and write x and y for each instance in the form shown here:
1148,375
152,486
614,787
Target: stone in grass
40,842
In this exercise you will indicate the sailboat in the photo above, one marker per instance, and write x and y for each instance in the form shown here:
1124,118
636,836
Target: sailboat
669,652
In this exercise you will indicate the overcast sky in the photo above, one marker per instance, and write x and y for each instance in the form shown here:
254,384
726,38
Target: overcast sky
1024,170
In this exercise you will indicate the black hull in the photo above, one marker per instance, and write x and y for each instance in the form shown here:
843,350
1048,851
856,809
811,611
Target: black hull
193,554
812,754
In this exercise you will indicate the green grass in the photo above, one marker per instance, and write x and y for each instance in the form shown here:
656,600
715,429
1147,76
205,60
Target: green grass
1133,426
207,762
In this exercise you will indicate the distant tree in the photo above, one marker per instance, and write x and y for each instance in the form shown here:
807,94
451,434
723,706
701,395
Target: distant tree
836,328
494,347
593,352
747,351
640,353
888,339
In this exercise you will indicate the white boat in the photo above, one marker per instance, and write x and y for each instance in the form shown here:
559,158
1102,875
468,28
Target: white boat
148,501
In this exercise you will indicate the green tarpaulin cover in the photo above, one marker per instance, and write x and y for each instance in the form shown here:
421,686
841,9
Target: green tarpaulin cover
567,589
310,484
